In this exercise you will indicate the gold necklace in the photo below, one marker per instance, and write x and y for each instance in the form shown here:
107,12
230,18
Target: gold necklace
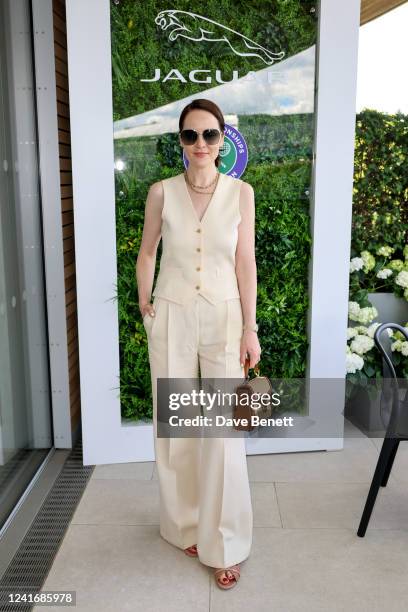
201,186
205,192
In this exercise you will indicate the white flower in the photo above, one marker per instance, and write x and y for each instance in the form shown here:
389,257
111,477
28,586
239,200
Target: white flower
372,328
361,344
370,331
356,264
400,346
353,362
396,264
396,346
385,273
362,315
385,250
367,314
402,279
353,310
351,332
361,329
369,260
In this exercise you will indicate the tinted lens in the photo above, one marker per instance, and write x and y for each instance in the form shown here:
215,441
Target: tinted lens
188,137
211,137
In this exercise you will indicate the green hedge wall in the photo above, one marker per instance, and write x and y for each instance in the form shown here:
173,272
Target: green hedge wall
279,169
138,45
380,193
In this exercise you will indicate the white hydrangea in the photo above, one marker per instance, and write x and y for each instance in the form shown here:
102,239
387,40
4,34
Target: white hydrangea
367,314
361,344
368,259
384,273
356,264
353,362
402,279
351,332
396,264
361,329
396,346
362,315
371,329
353,310
385,250
400,346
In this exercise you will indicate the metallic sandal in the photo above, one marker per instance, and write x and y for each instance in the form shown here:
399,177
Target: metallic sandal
191,551
234,570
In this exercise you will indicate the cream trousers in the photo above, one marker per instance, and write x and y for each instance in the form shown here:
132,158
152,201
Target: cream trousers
204,489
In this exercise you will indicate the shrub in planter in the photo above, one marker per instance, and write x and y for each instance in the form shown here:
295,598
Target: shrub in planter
368,274
379,250
380,272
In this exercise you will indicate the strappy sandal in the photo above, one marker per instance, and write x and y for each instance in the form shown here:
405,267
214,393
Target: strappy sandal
191,551
231,581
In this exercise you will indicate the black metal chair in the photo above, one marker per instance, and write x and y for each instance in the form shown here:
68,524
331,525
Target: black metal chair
396,430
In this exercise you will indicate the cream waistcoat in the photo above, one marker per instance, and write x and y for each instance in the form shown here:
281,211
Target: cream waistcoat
198,257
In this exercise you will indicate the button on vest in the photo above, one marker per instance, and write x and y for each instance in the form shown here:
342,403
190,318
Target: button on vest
198,257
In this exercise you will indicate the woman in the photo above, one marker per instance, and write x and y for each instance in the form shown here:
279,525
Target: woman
202,316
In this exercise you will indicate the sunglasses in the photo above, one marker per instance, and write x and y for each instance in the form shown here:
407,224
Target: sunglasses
211,136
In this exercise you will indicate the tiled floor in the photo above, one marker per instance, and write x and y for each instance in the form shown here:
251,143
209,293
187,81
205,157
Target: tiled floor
305,555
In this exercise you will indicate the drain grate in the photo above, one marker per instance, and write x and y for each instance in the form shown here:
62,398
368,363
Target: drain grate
31,564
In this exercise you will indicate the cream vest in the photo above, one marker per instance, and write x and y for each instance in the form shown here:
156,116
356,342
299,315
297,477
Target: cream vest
198,257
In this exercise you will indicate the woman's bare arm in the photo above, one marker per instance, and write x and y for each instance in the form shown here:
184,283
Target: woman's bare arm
146,259
245,263
246,271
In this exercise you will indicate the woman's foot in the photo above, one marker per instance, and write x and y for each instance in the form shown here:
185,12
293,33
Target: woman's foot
191,551
228,577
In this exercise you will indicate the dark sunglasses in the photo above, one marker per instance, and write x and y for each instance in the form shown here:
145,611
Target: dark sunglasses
211,136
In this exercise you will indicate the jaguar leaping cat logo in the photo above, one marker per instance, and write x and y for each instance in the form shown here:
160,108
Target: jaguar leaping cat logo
197,28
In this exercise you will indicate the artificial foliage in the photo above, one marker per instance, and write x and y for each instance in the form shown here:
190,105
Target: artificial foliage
379,250
138,45
279,169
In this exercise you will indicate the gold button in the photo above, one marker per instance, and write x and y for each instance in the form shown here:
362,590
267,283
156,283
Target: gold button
198,269
198,249
197,286
199,230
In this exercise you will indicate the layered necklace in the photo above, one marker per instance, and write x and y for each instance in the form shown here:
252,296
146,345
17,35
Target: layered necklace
197,188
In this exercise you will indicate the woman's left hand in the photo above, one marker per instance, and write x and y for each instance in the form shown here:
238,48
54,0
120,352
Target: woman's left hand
250,348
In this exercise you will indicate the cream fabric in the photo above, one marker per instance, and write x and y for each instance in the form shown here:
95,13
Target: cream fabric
210,271
204,489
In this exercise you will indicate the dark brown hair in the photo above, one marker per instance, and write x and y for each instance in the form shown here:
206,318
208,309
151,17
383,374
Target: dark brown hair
207,105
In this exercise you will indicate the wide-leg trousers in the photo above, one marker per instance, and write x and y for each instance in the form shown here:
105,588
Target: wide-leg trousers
203,482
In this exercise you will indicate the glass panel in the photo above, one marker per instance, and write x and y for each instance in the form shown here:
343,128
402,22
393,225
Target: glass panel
257,63
25,414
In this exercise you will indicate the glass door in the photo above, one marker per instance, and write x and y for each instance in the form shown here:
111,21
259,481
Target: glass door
25,410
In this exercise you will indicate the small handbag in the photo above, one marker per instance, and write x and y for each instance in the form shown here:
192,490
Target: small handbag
243,409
